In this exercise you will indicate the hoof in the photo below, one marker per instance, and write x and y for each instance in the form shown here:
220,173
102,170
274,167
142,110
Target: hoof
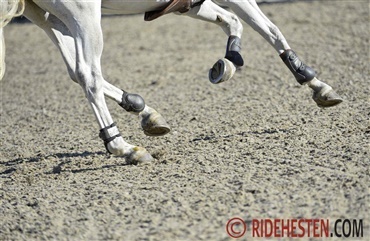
154,124
139,156
222,70
326,97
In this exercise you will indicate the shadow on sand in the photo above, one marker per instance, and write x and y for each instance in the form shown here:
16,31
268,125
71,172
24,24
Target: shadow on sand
11,165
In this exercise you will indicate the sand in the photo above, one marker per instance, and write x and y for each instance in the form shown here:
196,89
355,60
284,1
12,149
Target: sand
254,147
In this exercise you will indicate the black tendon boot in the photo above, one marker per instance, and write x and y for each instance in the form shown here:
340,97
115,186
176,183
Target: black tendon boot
301,72
233,49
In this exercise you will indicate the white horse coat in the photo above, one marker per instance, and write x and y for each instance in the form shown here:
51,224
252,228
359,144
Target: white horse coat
74,27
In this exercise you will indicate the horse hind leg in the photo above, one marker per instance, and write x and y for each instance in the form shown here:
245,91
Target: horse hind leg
224,68
323,94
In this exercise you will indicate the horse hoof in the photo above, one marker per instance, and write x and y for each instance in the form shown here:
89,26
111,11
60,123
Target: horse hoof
155,125
326,97
223,70
139,156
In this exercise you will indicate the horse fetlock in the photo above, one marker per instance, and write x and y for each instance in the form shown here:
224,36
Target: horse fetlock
132,102
233,49
301,72
153,123
115,145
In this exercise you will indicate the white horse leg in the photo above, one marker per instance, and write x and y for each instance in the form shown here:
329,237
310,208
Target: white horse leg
224,68
152,123
2,54
249,11
83,23
57,32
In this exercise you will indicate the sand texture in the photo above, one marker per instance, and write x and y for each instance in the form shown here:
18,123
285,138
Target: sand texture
254,147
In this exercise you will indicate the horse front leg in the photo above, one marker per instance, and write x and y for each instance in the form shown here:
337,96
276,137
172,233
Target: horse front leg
89,76
83,24
152,123
248,10
224,68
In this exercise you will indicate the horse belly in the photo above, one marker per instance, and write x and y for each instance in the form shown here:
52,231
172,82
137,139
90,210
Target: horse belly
131,6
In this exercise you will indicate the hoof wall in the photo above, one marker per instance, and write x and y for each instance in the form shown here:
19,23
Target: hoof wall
327,98
139,156
223,70
157,130
155,125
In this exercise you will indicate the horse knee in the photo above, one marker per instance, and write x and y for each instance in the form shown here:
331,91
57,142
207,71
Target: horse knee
90,81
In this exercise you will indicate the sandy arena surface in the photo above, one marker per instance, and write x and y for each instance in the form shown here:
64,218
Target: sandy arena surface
254,147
